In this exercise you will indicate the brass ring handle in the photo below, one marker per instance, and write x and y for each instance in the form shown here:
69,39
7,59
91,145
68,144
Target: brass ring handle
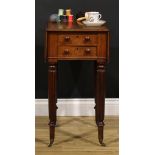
67,38
66,51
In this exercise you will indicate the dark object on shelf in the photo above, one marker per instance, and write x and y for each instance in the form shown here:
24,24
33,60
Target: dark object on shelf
80,14
63,18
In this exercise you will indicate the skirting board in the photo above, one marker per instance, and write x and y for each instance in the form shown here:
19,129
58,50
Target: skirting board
77,107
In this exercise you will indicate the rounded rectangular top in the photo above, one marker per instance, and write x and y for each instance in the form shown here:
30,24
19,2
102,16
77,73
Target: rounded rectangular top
75,26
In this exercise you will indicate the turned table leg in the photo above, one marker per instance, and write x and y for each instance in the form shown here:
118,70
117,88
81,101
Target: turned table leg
95,95
100,99
52,72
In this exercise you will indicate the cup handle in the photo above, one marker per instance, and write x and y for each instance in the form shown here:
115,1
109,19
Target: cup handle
100,16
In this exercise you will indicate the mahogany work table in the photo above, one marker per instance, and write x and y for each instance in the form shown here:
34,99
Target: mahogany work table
71,41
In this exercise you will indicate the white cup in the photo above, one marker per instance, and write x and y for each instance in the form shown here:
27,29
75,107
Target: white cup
93,16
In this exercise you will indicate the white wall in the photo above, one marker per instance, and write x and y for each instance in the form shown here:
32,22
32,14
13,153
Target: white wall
76,107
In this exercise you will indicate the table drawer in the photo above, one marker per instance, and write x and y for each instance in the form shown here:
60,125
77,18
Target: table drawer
65,51
77,39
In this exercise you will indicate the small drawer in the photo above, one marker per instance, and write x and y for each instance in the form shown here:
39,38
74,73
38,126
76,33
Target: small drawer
75,51
77,39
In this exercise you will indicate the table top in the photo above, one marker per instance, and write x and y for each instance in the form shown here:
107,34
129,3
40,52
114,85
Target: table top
75,26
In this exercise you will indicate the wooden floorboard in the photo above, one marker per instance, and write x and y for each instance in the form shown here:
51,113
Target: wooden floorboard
77,136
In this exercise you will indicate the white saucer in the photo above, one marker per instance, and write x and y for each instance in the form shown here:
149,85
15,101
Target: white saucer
99,23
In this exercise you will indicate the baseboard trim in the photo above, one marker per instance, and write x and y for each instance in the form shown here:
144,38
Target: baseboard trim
77,107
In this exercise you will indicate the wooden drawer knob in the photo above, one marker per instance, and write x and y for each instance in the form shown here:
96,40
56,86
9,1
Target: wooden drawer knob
66,51
67,38
87,38
87,50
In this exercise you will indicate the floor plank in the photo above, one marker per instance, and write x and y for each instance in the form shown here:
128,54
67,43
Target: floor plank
77,136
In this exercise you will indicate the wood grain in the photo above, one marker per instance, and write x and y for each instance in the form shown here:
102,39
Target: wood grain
76,42
73,38
75,27
68,51
77,136
52,89
52,44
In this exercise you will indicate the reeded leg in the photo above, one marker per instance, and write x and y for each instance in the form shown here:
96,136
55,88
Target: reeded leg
52,69
52,133
95,114
100,99
95,93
